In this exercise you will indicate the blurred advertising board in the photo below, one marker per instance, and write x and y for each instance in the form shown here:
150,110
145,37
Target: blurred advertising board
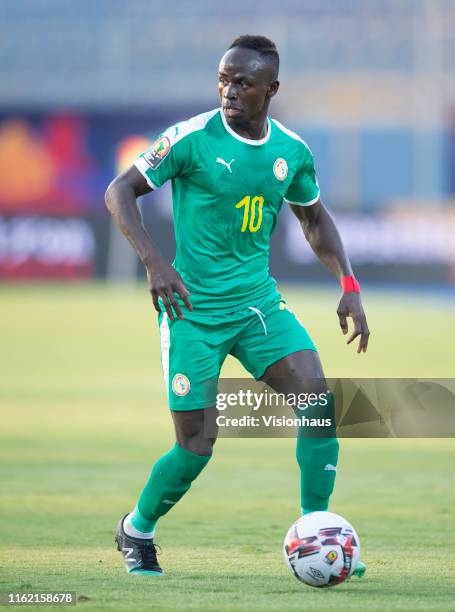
410,236
46,247
54,169
401,243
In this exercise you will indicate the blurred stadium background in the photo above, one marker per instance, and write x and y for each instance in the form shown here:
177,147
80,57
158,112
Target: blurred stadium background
85,86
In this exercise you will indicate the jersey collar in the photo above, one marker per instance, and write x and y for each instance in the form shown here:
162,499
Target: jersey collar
249,141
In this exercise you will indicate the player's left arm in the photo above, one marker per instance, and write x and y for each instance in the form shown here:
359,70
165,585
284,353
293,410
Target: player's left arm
322,234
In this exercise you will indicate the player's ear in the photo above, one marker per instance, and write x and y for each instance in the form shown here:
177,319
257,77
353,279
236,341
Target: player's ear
273,88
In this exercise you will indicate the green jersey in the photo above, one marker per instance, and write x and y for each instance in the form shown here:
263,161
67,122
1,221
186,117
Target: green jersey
227,192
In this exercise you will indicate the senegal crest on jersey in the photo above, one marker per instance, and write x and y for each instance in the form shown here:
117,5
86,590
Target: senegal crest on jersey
158,151
280,169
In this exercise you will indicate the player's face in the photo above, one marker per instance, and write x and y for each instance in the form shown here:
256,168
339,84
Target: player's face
246,82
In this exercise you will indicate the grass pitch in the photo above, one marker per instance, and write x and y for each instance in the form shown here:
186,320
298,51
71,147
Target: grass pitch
83,417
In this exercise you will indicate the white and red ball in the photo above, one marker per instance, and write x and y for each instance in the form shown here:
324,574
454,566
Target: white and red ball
321,549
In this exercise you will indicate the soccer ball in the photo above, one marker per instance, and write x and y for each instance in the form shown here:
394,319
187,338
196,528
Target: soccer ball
321,549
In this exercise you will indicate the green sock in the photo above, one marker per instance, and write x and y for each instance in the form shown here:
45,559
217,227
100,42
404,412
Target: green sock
317,458
170,479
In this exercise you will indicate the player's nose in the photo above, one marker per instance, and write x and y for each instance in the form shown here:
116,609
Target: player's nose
231,92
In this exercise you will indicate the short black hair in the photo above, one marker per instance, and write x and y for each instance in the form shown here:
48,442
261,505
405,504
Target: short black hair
263,45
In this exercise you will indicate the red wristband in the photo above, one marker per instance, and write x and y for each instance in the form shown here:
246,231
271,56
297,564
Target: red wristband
350,283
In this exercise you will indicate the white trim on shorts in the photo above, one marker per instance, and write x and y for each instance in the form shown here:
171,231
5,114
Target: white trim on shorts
165,341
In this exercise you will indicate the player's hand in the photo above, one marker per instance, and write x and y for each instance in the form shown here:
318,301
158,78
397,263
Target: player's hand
164,282
350,305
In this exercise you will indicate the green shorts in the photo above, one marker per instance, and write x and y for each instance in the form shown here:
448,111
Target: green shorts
192,353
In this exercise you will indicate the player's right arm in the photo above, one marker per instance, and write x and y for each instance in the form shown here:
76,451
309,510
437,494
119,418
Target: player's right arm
163,280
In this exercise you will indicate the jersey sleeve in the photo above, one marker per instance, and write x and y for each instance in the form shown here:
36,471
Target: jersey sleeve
168,157
304,189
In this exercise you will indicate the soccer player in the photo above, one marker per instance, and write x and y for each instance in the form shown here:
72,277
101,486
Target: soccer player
231,170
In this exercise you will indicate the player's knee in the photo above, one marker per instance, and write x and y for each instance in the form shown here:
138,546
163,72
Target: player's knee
195,431
189,425
198,445
191,436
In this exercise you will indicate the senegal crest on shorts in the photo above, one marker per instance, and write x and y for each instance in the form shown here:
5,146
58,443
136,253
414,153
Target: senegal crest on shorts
180,384
280,169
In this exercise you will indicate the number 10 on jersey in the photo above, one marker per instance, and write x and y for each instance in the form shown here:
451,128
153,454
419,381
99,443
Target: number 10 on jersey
249,212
